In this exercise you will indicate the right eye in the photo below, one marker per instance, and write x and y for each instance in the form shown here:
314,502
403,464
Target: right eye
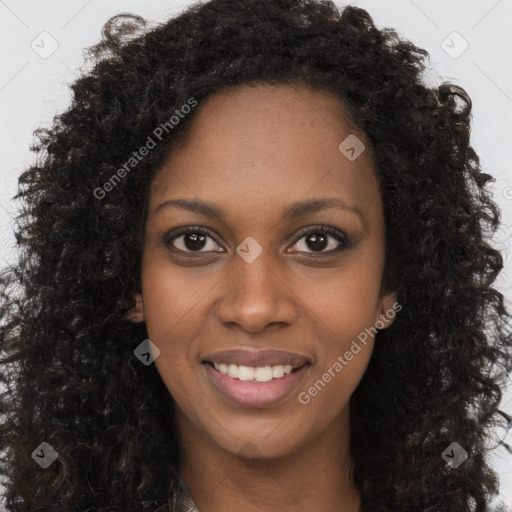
193,239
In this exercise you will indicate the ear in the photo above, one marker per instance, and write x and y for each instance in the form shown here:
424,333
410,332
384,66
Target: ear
136,315
387,311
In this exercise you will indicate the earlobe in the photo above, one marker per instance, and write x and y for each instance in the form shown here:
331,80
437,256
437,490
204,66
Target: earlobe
389,307
136,315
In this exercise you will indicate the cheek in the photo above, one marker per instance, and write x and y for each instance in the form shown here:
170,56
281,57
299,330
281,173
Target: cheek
170,322
170,297
344,309
342,348
345,301
329,392
171,307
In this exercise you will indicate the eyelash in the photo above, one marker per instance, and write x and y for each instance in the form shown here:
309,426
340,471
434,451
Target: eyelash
340,237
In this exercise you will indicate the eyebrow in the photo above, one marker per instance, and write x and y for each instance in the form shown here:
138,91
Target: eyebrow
297,209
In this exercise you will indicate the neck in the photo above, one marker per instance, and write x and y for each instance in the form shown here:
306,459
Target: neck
317,476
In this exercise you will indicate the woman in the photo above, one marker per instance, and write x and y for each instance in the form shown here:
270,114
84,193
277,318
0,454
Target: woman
254,275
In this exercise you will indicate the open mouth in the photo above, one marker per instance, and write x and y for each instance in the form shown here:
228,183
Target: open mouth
261,386
255,374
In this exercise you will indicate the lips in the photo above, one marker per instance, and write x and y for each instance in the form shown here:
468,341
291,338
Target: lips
251,394
267,357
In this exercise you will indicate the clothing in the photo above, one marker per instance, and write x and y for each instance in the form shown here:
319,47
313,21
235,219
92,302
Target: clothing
181,497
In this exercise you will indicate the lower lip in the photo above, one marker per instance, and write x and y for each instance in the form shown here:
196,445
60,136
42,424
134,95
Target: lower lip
252,393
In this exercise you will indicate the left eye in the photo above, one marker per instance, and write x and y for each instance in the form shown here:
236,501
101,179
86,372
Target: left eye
319,239
194,240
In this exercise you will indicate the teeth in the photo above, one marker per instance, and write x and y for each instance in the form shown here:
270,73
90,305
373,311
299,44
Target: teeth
259,374
278,371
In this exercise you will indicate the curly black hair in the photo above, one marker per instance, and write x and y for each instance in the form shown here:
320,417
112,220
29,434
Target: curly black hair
71,378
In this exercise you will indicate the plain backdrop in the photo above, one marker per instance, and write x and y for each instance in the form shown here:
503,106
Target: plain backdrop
469,42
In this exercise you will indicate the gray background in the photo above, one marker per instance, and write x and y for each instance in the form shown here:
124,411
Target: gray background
34,86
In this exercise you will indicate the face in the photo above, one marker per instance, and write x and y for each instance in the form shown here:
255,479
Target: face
260,275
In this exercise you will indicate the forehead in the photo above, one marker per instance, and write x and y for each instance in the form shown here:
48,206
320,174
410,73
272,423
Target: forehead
268,145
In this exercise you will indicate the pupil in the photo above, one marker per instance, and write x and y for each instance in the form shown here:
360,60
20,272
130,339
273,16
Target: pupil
195,238
315,237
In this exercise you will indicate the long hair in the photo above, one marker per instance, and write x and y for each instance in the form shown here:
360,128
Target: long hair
76,397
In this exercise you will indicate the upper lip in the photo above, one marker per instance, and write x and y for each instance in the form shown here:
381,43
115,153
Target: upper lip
255,358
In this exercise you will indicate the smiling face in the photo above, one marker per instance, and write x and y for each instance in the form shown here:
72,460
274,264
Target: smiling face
265,275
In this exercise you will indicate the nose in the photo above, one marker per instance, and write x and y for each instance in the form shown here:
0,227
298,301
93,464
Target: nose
255,296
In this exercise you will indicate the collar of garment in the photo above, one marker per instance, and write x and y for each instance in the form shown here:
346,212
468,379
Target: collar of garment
181,497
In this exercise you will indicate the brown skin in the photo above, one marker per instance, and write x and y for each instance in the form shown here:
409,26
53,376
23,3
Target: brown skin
252,151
